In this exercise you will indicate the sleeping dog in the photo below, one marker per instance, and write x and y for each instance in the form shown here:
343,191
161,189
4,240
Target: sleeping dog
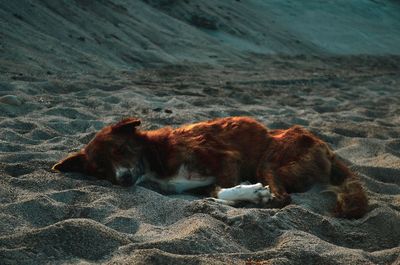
218,156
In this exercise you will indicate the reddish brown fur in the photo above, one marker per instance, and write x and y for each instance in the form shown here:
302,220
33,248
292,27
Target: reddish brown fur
233,149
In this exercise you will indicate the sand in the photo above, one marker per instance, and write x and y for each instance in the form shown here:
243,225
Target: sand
53,103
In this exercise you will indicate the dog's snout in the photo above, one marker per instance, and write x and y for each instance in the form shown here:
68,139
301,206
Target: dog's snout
124,177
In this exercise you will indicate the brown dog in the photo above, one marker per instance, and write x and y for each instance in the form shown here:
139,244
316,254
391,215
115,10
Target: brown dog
217,156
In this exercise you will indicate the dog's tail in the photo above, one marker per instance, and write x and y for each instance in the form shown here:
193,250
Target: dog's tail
351,199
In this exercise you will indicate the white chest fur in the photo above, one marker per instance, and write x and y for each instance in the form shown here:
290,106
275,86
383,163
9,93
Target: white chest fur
182,181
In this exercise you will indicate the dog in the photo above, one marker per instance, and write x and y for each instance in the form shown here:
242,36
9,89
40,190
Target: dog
220,157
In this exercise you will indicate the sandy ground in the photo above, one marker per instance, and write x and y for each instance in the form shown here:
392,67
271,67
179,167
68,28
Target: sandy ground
68,68
352,103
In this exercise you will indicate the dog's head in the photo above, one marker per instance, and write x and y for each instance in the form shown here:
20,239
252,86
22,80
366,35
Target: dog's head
114,154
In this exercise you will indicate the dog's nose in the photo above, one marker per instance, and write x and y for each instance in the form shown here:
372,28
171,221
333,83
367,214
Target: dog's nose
124,177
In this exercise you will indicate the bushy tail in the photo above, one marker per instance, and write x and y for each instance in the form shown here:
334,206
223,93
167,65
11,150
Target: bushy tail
351,199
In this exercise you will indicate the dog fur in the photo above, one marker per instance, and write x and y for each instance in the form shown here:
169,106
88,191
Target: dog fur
220,154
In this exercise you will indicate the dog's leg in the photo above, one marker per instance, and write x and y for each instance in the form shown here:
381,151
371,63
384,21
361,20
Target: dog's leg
255,193
226,190
280,197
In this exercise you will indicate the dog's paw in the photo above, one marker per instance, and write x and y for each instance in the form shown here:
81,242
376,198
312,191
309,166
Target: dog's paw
264,195
255,193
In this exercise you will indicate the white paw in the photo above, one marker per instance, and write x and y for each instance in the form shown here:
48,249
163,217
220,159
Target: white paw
264,194
255,193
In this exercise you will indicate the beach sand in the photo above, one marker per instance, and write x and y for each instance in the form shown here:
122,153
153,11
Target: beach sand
350,101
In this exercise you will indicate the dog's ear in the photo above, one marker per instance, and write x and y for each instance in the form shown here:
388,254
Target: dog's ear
73,163
126,126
